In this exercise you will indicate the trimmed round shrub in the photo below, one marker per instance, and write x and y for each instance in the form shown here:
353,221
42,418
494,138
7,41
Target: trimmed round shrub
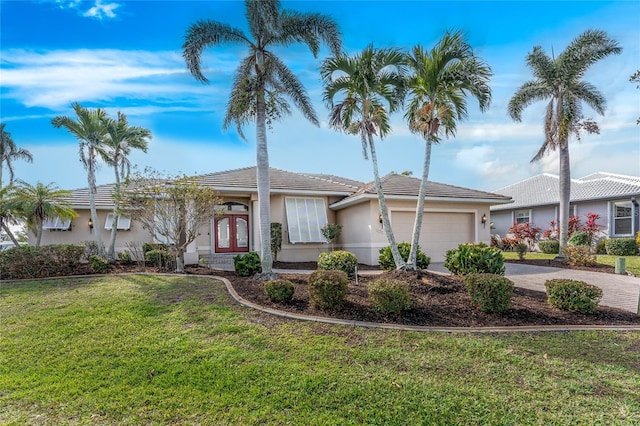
579,256
280,291
248,264
579,238
472,258
98,264
339,260
124,257
601,246
158,258
389,296
622,246
490,293
327,289
573,296
386,262
549,246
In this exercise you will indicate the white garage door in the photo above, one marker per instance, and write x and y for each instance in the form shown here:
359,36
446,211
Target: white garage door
440,231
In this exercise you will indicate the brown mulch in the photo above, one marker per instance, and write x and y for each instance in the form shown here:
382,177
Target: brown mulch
558,264
436,300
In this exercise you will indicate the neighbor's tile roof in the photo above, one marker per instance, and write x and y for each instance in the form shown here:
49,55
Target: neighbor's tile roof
543,189
103,197
395,184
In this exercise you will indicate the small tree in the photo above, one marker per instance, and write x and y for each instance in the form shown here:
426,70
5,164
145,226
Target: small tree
331,233
172,209
591,228
276,239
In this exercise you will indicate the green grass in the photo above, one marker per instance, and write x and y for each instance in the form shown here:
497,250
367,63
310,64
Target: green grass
632,262
176,350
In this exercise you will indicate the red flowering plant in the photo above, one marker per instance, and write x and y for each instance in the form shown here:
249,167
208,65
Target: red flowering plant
553,231
574,225
525,233
591,228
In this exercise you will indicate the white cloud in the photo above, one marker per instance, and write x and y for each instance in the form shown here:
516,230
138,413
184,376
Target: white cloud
483,160
101,11
53,79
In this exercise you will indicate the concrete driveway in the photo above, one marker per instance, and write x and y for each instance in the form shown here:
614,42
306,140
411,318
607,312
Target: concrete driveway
618,291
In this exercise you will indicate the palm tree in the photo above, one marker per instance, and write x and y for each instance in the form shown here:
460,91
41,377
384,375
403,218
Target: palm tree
559,80
9,151
372,84
121,138
38,203
441,79
90,132
262,79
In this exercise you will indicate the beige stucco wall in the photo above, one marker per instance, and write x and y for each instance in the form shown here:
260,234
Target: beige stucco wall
80,232
363,235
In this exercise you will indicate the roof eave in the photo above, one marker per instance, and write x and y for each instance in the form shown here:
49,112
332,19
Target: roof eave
363,197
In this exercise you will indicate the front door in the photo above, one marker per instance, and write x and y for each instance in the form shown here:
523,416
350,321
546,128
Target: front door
232,233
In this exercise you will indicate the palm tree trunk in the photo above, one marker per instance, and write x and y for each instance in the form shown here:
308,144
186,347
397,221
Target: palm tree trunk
565,195
264,189
39,227
412,263
8,231
91,177
116,210
386,223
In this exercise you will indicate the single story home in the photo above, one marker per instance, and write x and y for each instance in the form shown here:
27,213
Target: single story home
303,203
614,197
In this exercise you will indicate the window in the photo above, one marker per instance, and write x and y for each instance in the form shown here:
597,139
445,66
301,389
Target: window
622,218
522,216
124,222
57,224
305,217
231,207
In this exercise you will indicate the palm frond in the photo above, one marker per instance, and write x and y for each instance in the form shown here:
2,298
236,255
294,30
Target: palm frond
311,29
292,87
527,94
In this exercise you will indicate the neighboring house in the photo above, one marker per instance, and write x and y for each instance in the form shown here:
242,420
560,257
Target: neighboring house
303,203
614,197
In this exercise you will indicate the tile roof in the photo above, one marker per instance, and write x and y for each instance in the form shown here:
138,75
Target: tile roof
281,181
245,180
543,189
407,186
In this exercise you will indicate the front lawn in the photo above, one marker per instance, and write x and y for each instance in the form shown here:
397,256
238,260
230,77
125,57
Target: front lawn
632,262
143,349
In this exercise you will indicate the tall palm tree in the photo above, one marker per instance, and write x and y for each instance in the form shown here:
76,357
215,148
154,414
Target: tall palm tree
440,80
90,131
120,139
9,152
559,80
38,203
262,79
372,86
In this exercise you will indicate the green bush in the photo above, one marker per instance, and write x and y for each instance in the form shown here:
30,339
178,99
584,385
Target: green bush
327,289
280,291
124,257
622,246
24,261
579,238
91,248
389,296
471,258
276,239
573,296
154,246
385,260
549,246
489,292
99,264
601,246
579,256
159,258
521,248
339,260
248,264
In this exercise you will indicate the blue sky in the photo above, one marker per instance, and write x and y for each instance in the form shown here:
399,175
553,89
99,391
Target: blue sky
126,56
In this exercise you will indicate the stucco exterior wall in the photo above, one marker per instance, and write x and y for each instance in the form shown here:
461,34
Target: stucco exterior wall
359,225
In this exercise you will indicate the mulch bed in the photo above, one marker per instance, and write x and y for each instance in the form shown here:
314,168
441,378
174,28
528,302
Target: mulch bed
436,300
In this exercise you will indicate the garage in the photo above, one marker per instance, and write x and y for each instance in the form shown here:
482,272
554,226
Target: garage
440,231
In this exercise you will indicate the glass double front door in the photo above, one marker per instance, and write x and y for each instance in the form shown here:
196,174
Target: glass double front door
232,233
